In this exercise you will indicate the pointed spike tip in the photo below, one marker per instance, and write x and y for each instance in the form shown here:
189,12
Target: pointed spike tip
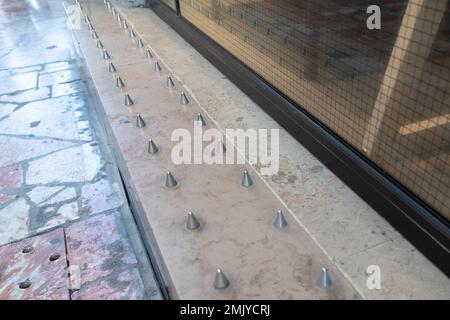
221,282
148,54
221,148
169,82
170,180
157,67
152,148
139,121
99,44
192,222
324,280
111,68
247,181
280,221
199,121
184,100
128,100
140,44
106,55
119,83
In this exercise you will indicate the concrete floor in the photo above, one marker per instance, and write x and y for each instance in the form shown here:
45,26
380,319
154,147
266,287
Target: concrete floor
60,193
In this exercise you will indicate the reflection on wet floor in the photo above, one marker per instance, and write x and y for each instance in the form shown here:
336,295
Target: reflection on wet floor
52,168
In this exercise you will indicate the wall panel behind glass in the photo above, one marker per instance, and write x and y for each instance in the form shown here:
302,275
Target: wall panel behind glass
386,92
170,3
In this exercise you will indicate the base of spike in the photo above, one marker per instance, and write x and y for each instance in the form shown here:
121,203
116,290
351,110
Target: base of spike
221,282
247,181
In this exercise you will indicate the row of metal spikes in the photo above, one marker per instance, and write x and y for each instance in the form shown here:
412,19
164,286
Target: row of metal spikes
220,281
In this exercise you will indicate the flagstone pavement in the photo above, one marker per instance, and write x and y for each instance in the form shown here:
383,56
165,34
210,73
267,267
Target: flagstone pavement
61,202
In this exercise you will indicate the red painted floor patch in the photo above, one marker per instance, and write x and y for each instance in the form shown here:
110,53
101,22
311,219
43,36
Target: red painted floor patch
34,268
105,258
11,177
5,198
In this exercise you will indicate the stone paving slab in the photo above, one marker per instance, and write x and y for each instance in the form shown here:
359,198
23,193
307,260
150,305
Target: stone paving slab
19,82
108,266
14,220
55,117
34,268
27,95
22,148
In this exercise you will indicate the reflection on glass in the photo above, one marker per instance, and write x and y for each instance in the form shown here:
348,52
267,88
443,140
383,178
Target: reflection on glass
386,92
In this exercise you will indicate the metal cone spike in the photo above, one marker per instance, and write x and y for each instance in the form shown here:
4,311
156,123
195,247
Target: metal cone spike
106,55
184,99
157,67
169,82
192,222
220,148
111,68
86,19
140,44
139,121
90,27
128,101
246,180
113,11
94,35
125,25
119,18
99,44
170,180
119,83
324,280
148,54
132,34
280,221
109,5
152,148
199,121
221,281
